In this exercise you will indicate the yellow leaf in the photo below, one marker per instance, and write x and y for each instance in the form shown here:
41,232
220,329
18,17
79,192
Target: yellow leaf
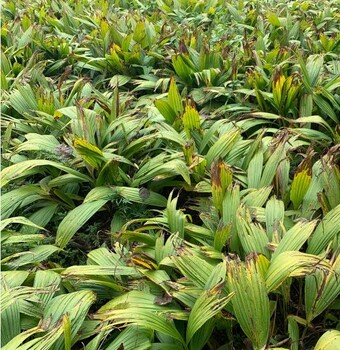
300,185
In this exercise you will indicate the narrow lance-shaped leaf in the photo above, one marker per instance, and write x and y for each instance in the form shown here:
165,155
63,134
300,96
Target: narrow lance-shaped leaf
33,256
272,163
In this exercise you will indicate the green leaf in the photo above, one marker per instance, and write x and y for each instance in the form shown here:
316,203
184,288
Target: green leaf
175,99
142,318
272,164
328,341
166,110
292,264
132,338
19,220
300,184
294,238
21,169
191,120
293,331
222,147
75,219
207,305
37,142
321,289
252,236
89,270
33,256
194,268
325,232
91,154
48,279
76,305
255,170
274,217
175,218
250,302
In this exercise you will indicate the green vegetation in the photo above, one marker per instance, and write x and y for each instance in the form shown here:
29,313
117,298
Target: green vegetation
170,175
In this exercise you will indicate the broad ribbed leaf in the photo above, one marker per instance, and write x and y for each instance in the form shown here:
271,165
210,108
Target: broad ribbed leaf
132,338
75,219
143,318
292,264
274,217
250,302
206,307
194,268
37,142
271,166
294,238
191,120
222,147
76,305
90,153
175,100
18,220
19,170
252,236
300,184
33,256
325,232
321,289
166,110
329,341
96,270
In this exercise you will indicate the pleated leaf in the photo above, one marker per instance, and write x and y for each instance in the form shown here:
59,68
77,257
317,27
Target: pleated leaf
292,264
90,153
175,100
325,232
19,220
321,289
75,219
271,166
95,270
300,184
142,318
250,302
252,236
207,305
294,238
222,147
329,341
33,256
132,338
18,170
274,217
191,120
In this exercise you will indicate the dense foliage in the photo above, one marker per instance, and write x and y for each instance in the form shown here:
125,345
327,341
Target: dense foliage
170,175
